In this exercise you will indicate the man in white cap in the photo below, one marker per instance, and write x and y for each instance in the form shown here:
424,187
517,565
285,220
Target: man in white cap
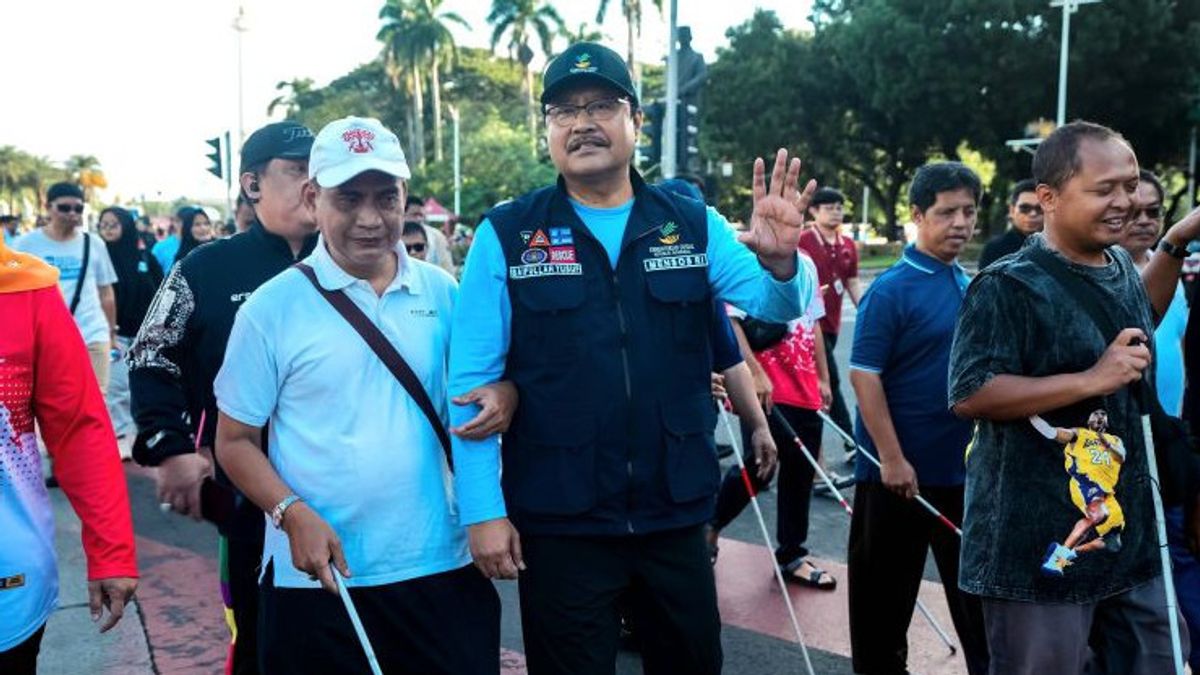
356,482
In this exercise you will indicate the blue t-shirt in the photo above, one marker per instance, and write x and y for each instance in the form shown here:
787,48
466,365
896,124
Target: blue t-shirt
903,334
1168,354
724,343
164,252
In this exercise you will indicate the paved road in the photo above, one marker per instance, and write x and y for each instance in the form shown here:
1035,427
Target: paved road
178,625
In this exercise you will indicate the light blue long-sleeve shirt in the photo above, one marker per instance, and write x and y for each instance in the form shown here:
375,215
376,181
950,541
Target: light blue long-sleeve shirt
480,334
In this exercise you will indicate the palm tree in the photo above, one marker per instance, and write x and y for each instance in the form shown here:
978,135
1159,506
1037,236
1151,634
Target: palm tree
12,171
522,20
632,11
402,58
85,170
428,28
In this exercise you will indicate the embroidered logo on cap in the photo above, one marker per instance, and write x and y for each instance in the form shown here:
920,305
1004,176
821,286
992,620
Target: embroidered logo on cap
359,140
583,64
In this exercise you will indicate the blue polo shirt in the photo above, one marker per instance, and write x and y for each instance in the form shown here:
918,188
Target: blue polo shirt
903,333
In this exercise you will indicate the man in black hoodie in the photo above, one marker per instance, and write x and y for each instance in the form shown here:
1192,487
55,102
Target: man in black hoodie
181,345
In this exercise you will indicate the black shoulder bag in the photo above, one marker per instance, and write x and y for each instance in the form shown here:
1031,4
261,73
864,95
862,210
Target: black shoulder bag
391,358
1177,463
83,269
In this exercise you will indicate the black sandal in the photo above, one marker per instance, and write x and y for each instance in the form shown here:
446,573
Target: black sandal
818,578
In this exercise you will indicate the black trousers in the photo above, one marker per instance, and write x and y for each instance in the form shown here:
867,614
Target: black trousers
569,602
243,557
446,623
889,538
794,493
22,659
838,412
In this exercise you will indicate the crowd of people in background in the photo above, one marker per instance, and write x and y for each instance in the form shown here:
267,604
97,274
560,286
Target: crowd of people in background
579,348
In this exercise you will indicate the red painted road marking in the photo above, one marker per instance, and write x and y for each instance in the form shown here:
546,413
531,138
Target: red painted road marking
749,598
181,602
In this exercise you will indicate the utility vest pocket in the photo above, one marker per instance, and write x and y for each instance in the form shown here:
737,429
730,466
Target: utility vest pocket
685,294
554,466
691,459
555,331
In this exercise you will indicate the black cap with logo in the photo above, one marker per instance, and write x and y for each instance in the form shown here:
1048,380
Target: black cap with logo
278,140
585,61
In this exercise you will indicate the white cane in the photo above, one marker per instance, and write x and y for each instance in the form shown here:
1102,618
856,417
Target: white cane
937,627
355,621
1164,551
919,499
762,524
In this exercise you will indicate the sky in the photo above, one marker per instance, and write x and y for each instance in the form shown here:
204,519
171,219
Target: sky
141,84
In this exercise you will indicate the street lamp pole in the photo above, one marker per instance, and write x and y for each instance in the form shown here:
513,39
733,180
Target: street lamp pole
239,26
457,162
1069,7
670,138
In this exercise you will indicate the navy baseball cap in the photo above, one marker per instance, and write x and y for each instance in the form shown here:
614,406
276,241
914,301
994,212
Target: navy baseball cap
583,62
278,140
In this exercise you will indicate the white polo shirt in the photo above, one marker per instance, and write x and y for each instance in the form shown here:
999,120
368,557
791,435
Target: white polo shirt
344,434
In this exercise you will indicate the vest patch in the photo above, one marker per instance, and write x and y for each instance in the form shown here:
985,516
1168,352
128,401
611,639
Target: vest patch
675,262
545,270
15,581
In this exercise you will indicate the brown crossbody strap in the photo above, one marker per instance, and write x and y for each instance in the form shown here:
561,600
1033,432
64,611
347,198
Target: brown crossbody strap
383,348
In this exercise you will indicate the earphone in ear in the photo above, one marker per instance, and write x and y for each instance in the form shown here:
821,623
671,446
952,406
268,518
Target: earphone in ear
254,186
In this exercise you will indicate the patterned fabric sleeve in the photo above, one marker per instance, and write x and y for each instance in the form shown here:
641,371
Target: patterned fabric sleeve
160,403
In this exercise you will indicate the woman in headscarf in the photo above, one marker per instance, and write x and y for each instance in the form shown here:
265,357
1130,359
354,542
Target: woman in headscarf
138,277
194,229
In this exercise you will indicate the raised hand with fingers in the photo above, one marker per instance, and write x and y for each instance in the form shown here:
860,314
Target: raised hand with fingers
778,217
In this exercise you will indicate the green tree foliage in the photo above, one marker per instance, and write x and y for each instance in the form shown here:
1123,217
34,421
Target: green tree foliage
496,166
522,21
882,85
25,177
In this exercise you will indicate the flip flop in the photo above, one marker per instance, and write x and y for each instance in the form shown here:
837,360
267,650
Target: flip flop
815,579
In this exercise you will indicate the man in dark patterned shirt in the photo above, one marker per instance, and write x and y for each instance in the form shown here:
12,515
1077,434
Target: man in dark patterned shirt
1022,349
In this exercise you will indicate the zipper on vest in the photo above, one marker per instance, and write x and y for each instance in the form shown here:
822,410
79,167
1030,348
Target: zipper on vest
628,391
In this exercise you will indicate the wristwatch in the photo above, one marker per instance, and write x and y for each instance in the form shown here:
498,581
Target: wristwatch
1179,252
280,508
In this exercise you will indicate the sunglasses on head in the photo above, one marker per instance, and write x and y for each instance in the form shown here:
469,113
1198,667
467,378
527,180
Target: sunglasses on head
1030,209
415,248
68,208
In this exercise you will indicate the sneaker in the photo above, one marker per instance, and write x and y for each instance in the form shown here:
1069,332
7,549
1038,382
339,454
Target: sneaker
724,450
840,482
1058,557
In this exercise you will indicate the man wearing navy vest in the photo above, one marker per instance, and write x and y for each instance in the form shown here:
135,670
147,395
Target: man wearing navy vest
594,297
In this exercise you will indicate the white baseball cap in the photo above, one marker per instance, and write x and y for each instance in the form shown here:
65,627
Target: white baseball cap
347,147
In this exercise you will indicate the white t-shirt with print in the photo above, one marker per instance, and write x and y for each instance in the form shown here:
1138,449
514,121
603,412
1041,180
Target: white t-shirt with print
67,256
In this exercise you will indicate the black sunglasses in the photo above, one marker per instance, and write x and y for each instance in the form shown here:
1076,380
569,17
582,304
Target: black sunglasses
1029,209
414,248
68,208
1151,212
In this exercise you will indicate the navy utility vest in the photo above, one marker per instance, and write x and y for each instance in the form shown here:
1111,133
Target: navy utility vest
614,430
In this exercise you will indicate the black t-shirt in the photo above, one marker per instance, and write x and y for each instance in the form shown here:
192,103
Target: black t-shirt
1021,497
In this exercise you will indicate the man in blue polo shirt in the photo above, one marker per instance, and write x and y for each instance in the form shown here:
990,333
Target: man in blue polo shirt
899,366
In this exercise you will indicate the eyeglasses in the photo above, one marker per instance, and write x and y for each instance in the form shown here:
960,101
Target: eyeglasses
415,248
600,110
1151,212
68,208
109,226
1030,209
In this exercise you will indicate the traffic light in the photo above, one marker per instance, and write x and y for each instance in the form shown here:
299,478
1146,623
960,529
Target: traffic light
687,157
218,167
650,148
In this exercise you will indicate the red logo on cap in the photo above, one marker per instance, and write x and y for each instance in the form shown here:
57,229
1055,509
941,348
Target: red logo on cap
359,140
